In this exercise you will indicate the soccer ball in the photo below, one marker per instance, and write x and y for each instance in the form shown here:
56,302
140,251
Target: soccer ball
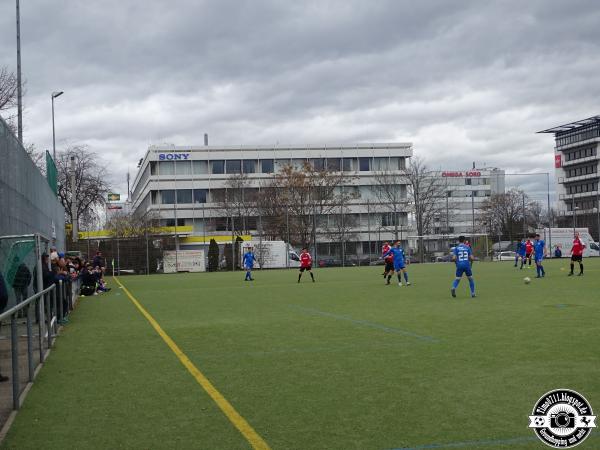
527,280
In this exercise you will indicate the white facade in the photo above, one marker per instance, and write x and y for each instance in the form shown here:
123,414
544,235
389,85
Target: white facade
466,193
576,163
182,183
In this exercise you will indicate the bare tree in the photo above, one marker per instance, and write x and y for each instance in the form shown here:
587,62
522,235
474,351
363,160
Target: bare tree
426,192
8,89
8,97
38,157
238,201
293,199
511,214
340,223
133,225
390,190
91,184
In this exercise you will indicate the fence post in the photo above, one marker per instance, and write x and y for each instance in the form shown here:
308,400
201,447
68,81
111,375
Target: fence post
15,360
55,301
49,318
40,307
60,310
29,342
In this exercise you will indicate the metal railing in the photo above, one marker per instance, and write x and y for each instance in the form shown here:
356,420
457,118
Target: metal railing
37,306
47,309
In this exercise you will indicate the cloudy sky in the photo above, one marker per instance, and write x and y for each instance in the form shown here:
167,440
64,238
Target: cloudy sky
463,80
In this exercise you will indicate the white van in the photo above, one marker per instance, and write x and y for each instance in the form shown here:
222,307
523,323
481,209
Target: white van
563,237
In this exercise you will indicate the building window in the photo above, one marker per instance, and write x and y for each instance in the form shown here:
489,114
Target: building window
318,164
389,219
266,166
364,164
234,166
171,222
334,164
468,181
183,168
200,195
184,196
218,167
200,167
381,164
167,197
349,164
153,168
249,166
166,168
280,164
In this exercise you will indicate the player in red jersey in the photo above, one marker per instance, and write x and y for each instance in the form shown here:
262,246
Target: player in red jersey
305,264
389,260
577,254
528,250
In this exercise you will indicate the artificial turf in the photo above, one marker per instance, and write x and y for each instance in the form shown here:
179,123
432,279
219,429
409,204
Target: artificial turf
344,363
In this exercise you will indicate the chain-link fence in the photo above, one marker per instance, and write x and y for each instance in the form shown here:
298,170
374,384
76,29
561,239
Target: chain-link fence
27,202
34,308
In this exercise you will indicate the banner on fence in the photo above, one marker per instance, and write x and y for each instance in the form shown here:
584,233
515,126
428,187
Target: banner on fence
184,261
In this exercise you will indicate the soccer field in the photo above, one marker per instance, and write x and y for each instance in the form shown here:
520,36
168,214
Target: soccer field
343,363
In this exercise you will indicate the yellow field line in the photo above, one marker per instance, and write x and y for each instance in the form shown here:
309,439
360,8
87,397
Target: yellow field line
234,417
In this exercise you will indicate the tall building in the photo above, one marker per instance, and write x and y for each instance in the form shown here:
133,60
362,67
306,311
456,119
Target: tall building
576,159
466,192
185,186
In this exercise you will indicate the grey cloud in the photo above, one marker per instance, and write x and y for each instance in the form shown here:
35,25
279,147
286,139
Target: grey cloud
464,80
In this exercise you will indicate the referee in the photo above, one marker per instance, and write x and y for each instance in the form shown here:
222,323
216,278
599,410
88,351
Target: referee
577,255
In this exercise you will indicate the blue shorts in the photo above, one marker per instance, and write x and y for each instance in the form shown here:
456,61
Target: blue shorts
539,258
249,266
463,269
399,266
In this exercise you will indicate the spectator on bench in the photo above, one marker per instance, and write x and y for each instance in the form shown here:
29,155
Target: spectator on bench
88,281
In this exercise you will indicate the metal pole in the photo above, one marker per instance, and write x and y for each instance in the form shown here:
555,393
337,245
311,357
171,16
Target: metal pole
369,228
60,312
147,255
524,217
49,318
19,84
176,236
40,307
30,342
74,218
287,245
598,210
232,244
119,258
14,337
472,212
574,212
53,131
549,212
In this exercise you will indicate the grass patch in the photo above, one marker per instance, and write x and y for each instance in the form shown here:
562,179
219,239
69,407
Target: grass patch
345,362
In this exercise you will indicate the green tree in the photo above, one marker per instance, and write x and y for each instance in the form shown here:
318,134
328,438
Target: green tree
228,256
213,256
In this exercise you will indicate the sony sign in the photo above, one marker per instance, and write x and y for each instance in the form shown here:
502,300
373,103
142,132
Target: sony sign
173,156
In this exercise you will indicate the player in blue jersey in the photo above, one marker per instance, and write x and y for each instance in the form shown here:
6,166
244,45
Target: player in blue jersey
539,248
462,255
249,260
520,253
399,263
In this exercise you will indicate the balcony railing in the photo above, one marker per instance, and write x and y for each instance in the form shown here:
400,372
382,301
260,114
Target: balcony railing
589,176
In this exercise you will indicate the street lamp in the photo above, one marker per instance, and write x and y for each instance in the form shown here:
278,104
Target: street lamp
54,95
